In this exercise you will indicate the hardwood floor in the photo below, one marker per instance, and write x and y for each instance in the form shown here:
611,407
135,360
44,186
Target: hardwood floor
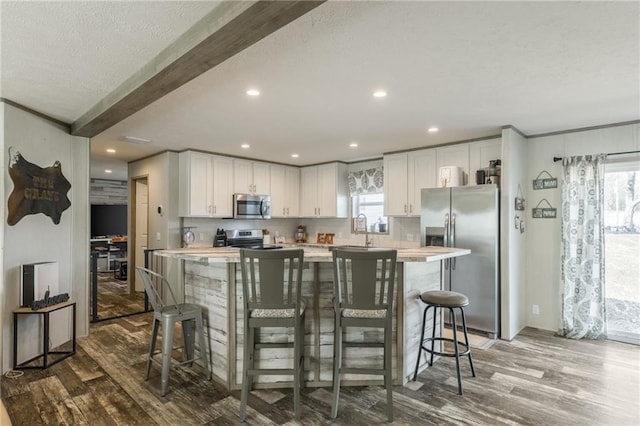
535,379
114,297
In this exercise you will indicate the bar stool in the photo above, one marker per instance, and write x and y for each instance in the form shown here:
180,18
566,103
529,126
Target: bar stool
363,297
189,315
449,300
271,287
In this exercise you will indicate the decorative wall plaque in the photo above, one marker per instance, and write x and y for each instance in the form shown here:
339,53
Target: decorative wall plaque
36,189
544,212
545,183
519,202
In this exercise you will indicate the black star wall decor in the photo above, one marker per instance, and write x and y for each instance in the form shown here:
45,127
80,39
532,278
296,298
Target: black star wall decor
36,189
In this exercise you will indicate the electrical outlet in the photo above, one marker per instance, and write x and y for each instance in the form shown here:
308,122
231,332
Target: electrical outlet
535,309
409,237
157,236
201,236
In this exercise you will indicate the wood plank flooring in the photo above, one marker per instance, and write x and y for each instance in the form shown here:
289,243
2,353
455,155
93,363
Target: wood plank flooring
537,379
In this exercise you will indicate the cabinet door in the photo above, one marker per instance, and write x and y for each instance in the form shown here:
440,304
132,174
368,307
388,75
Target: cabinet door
480,153
278,191
222,186
242,177
455,155
309,191
422,174
327,187
292,191
261,182
395,185
198,186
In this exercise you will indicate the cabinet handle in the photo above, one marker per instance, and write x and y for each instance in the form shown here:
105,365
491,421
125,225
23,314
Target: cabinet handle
209,208
405,208
283,211
287,211
410,208
214,209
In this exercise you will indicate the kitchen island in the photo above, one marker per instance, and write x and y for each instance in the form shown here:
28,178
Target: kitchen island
211,278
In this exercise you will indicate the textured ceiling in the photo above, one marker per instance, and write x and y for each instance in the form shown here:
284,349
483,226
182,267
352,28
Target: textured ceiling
468,68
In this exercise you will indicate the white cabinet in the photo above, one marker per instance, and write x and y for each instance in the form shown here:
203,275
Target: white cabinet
222,186
196,184
324,191
250,177
480,153
205,185
404,177
285,191
454,155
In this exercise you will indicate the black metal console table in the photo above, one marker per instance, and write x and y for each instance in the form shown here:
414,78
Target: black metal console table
46,352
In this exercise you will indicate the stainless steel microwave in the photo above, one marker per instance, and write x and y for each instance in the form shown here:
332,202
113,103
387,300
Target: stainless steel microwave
251,206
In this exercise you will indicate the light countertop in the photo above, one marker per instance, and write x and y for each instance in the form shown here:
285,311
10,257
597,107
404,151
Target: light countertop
311,254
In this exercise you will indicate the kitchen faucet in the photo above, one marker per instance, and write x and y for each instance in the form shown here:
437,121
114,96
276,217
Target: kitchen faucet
367,243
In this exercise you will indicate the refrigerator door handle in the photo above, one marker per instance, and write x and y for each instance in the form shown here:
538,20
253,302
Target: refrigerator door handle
446,238
453,238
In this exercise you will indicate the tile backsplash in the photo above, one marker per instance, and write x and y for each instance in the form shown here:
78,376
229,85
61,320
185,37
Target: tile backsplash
403,231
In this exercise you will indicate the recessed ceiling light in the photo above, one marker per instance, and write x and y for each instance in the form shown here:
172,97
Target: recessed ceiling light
135,139
245,146
379,94
111,150
107,171
433,129
253,92
353,145
294,156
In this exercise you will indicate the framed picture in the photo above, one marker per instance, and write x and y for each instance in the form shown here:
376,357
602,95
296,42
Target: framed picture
519,203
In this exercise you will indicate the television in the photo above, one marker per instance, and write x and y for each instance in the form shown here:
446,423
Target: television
108,220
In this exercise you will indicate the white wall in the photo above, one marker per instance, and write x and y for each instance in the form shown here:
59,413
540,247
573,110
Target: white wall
161,172
513,243
36,238
544,235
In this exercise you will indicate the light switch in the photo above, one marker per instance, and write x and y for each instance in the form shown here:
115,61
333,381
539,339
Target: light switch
157,236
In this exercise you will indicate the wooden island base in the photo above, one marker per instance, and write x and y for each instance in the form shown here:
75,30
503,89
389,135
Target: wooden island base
212,279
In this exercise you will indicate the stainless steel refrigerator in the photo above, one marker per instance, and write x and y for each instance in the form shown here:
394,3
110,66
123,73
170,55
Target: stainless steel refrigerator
468,217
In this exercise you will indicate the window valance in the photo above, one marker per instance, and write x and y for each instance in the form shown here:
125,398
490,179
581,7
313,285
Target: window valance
367,181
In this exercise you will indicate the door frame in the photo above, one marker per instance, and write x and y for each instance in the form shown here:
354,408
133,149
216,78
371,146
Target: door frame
131,240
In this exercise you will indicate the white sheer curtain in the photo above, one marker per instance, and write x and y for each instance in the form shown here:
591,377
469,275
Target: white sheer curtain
583,299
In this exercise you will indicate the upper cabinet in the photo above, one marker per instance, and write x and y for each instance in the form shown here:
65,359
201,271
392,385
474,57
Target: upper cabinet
324,191
205,185
196,184
222,186
285,191
480,153
454,155
250,177
405,175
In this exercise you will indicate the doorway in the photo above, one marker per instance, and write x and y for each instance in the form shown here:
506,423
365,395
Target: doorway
140,231
114,292
622,245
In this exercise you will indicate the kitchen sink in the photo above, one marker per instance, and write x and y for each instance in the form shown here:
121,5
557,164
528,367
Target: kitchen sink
331,248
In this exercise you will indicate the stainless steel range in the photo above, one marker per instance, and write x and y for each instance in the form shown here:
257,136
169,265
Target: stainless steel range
248,238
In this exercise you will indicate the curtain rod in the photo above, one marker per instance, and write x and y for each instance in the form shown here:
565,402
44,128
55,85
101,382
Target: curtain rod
611,153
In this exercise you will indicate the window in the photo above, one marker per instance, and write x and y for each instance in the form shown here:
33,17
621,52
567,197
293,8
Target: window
622,245
372,206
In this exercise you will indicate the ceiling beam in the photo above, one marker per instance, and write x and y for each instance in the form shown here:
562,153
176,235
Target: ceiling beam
225,31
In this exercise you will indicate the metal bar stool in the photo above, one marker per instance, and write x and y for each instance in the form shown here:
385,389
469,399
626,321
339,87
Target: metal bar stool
450,300
189,315
271,287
